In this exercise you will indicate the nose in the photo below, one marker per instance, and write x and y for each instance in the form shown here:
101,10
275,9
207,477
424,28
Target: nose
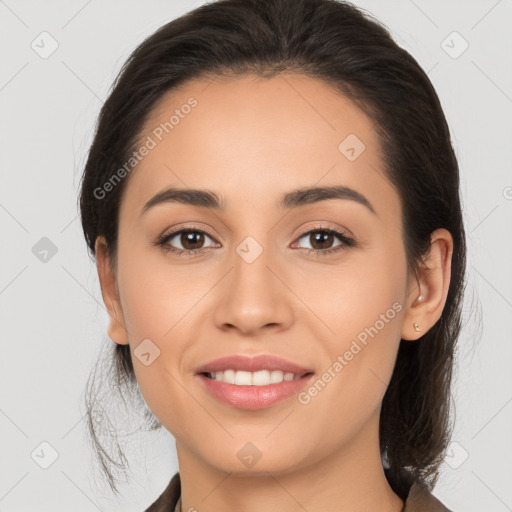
253,297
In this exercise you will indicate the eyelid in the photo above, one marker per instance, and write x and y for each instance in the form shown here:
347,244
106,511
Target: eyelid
318,227
186,227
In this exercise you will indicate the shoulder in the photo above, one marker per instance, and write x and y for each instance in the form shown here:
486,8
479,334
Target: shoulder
169,497
420,499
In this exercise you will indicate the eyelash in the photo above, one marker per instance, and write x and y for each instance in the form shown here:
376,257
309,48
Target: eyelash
346,241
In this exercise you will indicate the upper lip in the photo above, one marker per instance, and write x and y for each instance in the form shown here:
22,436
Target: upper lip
253,364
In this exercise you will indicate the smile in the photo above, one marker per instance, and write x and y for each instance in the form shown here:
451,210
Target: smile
260,378
245,395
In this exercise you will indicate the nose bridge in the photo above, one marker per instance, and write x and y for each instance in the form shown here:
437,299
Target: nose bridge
252,296
251,264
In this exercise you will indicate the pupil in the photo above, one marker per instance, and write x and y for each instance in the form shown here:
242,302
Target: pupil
193,238
323,239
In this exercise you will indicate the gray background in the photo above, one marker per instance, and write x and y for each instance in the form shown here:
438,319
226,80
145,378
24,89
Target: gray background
52,318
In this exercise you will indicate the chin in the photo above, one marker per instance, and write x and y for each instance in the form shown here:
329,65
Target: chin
248,459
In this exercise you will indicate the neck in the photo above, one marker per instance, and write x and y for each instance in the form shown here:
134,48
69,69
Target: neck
350,478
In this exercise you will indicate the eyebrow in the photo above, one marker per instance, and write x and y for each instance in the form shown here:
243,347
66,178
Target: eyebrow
207,199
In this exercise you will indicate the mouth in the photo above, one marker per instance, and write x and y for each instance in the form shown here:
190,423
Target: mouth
252,382
259,378
253,391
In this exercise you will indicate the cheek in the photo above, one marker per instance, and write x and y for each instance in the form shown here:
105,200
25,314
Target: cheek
161,303
360,360
358,309
166,396
156,294
364,289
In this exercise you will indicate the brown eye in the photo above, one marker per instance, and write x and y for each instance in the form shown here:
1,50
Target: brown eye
191,240
187,241
321,240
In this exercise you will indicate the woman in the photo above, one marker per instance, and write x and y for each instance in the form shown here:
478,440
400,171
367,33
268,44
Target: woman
272,200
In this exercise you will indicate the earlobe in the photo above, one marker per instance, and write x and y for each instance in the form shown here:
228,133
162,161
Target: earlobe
116,329
428,295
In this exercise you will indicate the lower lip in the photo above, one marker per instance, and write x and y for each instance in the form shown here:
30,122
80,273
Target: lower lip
253,397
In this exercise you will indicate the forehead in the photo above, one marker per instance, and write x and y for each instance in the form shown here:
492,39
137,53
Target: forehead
256,137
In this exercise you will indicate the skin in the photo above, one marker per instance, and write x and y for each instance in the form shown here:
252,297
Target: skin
251,140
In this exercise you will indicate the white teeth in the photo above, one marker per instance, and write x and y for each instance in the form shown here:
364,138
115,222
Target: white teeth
227,376
276,377
260,378
243,378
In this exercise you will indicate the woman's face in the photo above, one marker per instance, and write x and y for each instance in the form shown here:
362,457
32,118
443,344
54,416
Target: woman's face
253,284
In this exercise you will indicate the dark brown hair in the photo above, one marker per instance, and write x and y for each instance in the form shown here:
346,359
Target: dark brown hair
350,50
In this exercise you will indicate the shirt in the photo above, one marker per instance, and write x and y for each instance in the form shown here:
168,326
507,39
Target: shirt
419,499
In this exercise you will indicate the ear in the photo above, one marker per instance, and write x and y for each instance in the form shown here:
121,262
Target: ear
116,329
426,297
